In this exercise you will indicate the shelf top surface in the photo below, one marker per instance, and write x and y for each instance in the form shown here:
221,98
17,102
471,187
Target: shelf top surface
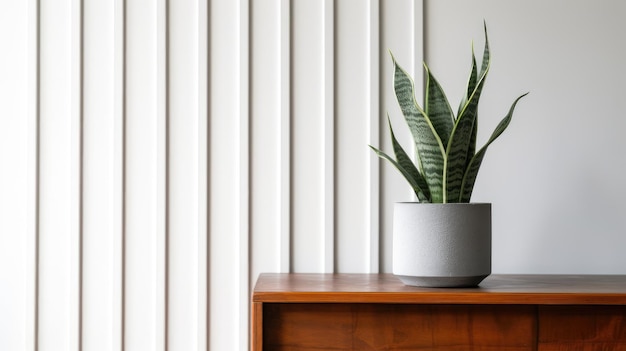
386,288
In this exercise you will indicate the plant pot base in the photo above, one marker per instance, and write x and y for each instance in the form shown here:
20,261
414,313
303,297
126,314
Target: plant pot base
442,282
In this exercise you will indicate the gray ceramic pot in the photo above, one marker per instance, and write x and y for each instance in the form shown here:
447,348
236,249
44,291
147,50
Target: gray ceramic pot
442,245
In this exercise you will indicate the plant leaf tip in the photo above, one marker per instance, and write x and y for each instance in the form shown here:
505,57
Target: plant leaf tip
393,58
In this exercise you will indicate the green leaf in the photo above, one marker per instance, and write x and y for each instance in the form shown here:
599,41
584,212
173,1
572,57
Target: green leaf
486,55
463,137
405,162
474,165
456,153
471,86
437,108
430,149
416,188
471,82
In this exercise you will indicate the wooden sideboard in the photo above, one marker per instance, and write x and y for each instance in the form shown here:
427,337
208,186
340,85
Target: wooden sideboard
377,312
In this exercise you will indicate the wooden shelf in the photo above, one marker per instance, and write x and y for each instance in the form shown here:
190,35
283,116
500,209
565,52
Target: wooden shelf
378,312
495,289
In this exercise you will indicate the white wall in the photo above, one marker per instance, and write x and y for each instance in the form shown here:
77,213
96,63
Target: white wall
555,176
158,155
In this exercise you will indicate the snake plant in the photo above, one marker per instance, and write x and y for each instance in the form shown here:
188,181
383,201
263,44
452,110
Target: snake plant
445,144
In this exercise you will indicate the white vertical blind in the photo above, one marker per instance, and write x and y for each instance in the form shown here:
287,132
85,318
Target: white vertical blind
118,175
202,247
31,228
58,221
100,164
143,190
328,138
285,137
17,181
308,122
352,120
174,150
373,169
265,127
228,175
183,196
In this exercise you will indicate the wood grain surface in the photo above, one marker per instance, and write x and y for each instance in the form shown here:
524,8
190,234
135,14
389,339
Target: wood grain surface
307,312
495,289
588,328
306,327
